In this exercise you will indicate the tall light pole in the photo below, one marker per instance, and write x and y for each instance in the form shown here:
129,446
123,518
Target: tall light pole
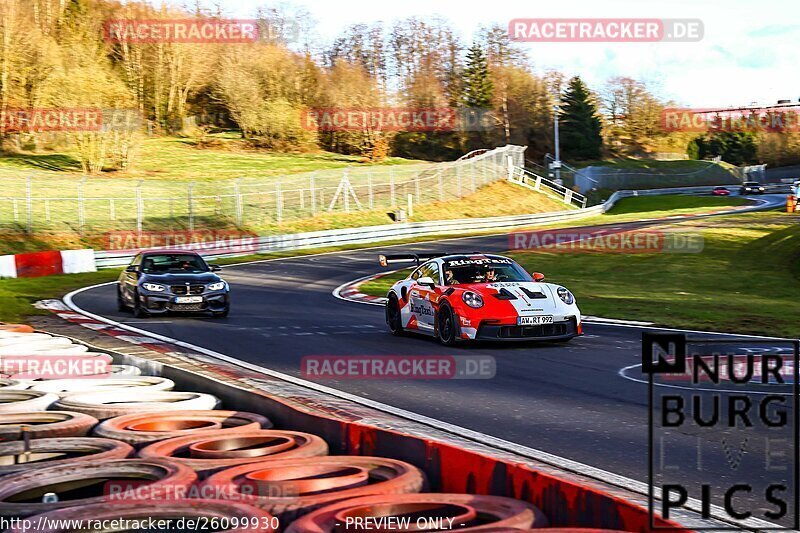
557,163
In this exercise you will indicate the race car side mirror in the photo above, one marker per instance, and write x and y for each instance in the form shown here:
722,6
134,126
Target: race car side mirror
215,268
538,276
427,281
132,268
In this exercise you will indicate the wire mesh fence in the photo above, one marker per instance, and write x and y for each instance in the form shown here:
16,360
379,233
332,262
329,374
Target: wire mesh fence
37,203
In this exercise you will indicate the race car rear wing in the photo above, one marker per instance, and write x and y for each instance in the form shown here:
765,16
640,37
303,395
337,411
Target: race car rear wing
386,260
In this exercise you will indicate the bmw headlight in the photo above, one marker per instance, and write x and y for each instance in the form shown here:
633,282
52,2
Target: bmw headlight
566,296
218,286
472,299
154,287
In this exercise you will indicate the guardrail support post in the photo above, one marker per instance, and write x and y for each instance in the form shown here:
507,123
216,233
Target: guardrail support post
139,207
238,199
369,186
29,204
81,207
538,185
278,202
568,196
391,186
190,205
313,195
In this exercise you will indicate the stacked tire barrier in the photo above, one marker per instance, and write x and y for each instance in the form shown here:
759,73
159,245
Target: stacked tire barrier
121,446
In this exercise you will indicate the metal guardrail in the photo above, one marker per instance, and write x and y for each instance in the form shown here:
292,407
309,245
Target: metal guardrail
387,232
363,235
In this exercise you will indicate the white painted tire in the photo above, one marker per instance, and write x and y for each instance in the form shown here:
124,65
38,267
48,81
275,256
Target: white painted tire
66,387
12,384
19,401
104,405
119,371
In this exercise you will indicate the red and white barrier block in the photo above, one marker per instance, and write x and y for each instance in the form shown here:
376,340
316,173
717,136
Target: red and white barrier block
36,264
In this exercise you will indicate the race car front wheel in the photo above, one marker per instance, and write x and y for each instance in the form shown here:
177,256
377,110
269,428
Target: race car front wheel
446,326
393,315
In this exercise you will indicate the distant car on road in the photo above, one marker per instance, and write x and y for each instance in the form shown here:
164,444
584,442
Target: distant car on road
157,282
721,191
751,187
467,297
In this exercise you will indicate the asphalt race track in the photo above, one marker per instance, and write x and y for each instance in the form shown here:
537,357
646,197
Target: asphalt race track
565,399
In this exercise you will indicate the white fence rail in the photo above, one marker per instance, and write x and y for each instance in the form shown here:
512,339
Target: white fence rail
95,204
539,183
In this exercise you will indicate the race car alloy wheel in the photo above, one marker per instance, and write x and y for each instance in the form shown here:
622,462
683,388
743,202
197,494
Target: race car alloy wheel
393,315
446,326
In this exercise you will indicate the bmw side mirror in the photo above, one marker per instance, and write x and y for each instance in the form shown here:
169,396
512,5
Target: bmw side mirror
426,281
538,276
215,268
132,268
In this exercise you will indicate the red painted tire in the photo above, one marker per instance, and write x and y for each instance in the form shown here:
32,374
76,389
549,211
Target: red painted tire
139,429
473,513
291,488
93,449
209,511
166,478
45,424
210,452
16,328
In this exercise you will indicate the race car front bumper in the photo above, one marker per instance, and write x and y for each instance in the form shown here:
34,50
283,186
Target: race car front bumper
157,303
558,330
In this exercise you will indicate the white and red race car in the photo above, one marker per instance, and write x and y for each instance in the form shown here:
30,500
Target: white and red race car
478,297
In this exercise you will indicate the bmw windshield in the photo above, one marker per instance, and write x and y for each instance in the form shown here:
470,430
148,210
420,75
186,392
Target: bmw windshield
174,264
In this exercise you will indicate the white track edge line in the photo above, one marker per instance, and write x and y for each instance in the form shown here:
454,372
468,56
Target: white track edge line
538,455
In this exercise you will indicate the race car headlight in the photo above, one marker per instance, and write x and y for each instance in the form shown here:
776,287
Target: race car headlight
218,286
154,287
566,296
472,299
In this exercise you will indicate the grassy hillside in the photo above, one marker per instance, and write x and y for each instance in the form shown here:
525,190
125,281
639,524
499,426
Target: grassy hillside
222,156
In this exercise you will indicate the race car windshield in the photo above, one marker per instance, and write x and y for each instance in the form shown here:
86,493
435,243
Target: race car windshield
484,273
172,263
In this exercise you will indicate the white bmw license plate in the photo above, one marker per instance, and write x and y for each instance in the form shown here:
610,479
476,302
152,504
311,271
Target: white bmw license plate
534,320
188,299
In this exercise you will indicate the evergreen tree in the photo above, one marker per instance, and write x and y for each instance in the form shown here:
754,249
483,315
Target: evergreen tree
579,123
478,86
